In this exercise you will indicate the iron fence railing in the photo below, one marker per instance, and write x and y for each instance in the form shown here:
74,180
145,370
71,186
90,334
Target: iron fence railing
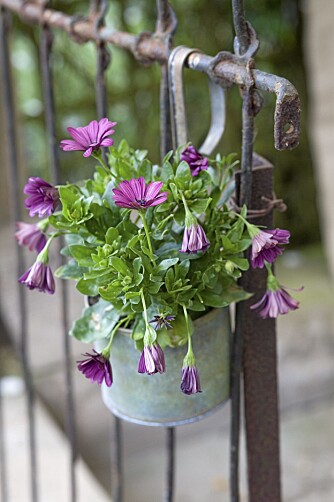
258,358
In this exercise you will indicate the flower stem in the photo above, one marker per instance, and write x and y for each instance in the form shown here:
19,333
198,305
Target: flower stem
144,307
43,256
98,156
106,350
190,218
185,312
147,233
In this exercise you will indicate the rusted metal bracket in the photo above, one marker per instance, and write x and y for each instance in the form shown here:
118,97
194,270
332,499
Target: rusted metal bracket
228,70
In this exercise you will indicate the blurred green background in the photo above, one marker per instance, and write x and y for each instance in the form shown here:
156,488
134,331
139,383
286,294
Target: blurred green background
133,91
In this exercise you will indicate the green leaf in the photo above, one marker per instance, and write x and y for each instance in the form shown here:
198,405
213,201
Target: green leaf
164,266
200,205
167,172
70,271
138,331
111,235
96,322
137,267
145,170
183,174
120,266
234,294
174,191
82,254
154,287
87,287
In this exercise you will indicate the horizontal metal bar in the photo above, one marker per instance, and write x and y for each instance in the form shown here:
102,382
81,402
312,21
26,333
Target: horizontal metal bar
151,47
83,29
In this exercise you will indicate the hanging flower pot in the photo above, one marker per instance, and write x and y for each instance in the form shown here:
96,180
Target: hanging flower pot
157,399
162,250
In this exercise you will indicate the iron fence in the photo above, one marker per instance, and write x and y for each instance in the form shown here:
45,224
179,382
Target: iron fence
254,342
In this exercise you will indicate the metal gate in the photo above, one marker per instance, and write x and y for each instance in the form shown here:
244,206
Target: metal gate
254,343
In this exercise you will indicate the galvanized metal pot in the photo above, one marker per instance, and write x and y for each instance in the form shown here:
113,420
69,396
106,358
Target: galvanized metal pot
156,400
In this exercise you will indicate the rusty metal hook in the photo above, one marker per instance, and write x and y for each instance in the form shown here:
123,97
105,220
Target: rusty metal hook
176,62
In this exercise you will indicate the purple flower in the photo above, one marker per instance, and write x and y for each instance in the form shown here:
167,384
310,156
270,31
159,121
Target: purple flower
28,234
274,303
97,368
190,383
135,194
265,246
152,360
43,198
194,239
162,321
196,161
40,277
89,138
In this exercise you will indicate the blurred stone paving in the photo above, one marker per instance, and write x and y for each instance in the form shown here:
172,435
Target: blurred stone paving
306,374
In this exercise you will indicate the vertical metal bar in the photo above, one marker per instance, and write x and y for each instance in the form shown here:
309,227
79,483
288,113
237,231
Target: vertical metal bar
117,461
13,164
240,26
164,26
3,457
244,198
102,63
170,447
260,369
46,73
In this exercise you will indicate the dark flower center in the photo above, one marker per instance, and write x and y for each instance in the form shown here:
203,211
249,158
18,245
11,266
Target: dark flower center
142,202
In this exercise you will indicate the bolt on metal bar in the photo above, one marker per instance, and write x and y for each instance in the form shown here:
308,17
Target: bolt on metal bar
46,40
13,163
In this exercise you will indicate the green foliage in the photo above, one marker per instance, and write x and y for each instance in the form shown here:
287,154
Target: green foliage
133,90
132,259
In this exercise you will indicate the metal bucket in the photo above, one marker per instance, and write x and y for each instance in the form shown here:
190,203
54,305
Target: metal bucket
156,400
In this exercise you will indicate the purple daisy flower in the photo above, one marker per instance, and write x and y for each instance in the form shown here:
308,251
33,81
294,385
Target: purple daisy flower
97,368
135,194
195,160
194,239
190,383
152,360
89,138
265,246
162,321
28,234
40,277
43,198
274,303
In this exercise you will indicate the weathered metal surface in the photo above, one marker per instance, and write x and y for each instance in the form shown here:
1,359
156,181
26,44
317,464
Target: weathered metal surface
287,109
260,366
156,399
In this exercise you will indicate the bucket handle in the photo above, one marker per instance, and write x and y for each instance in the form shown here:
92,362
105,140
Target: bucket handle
176,62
